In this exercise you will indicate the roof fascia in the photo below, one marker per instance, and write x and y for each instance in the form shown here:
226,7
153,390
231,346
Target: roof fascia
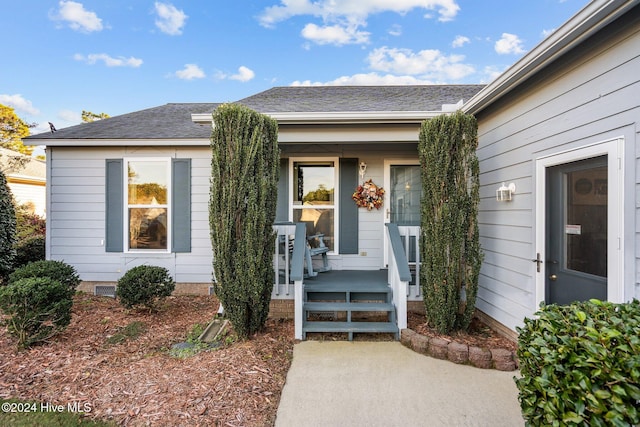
117,142
581,26
348,117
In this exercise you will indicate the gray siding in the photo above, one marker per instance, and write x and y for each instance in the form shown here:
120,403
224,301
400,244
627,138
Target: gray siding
590,96
76,224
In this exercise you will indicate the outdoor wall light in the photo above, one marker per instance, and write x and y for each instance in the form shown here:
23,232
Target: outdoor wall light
363,169
504,193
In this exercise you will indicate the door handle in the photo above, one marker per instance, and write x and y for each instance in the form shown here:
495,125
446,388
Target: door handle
388,213
553,277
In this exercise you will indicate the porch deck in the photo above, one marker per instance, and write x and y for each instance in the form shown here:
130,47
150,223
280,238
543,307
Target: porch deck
354,278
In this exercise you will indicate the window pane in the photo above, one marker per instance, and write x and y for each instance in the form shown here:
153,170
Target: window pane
147,182
148,228
586,228
318,221
313,183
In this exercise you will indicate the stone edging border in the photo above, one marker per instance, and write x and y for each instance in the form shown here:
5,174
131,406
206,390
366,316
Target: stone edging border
456,352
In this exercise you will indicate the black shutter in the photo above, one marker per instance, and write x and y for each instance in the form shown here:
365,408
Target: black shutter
181,205
114,220
348,209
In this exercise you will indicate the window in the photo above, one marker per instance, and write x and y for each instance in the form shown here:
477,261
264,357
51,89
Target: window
147,209
314,197
134,221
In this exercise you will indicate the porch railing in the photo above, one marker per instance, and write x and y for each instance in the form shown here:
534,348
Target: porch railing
410,236
399,274
288,261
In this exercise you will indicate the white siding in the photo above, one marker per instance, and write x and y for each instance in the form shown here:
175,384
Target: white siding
76,223
590,97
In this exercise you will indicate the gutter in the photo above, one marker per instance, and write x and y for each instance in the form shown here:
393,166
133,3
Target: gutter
591,19
339,117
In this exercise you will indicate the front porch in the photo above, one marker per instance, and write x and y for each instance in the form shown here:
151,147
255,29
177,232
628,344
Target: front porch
347,301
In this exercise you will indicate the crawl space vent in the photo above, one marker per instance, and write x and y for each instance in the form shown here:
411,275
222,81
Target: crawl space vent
105,291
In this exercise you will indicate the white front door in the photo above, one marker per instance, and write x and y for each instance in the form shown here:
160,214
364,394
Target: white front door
402,195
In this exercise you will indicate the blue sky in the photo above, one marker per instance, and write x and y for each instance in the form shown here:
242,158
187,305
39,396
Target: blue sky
116,56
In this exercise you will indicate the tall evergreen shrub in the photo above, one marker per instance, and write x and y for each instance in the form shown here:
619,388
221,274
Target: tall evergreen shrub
450,252
242,209
7,229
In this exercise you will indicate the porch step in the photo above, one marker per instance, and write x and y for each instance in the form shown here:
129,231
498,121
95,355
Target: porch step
344,296
345,306
351,327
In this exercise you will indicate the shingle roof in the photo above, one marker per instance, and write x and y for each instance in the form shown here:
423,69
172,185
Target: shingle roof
170,121
173,121
358,98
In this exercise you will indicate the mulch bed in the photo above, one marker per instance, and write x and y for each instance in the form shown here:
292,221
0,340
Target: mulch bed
137,382
478,335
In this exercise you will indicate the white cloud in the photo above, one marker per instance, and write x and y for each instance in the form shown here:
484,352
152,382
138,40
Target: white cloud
109,61
334,34
72,117
509,44
190,72
491,72
341,21
354,9
547,33
17,102
170,20
77,17
244,74
367,79
460,41
395,30
429,64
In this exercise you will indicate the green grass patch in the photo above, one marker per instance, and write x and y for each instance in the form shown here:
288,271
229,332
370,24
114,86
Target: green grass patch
19,413
130,332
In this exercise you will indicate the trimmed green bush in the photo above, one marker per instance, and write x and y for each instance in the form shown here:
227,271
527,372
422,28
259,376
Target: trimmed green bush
144,285
242,209
55,270
29,250
7,229
36,308
450,250
580,365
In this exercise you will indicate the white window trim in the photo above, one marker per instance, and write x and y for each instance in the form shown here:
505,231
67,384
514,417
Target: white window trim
336,195
125,214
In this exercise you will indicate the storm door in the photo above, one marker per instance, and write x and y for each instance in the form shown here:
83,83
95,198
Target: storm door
576,231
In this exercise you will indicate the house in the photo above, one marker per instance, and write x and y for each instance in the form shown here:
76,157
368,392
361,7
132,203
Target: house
560,125
26,178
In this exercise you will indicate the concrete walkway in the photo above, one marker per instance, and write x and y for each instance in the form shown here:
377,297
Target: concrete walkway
386,384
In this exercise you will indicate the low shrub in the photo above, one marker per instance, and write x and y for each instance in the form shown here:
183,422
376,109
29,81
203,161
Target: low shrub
29,250
143,286
580,365
55,270
36,308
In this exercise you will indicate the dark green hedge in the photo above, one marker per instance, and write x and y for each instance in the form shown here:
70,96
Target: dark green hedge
55,270
35,308
580,365
144,285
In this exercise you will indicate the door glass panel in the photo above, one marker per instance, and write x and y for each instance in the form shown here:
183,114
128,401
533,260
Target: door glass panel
404,194
314,198
586,221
